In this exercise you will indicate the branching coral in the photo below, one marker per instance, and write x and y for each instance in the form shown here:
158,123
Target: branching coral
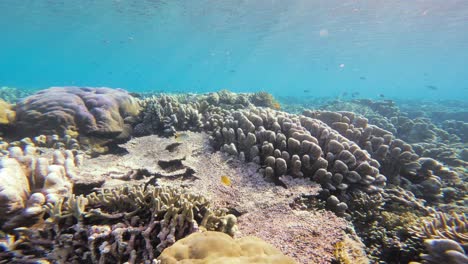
445,237
126,224
445,226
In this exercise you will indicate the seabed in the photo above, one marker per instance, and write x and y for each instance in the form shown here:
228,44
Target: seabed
101,175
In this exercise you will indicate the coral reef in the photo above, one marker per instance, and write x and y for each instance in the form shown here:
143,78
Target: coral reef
381,171
103,112
126,224
165,114
28,180
399,163
443,251
445,226
350,251
12,95
307,236
215,247
42,141
7,114
384,222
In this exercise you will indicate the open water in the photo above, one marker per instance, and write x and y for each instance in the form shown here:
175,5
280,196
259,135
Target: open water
324,48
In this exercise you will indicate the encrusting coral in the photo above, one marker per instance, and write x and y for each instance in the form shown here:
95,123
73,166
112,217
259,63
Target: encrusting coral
216,247
126,224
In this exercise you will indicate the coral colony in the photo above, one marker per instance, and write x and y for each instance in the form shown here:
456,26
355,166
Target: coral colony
98,175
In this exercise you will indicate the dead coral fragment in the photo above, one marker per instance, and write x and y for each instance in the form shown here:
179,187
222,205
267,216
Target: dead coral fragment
215,247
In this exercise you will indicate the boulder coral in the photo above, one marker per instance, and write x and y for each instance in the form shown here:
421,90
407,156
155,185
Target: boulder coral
216,247
89,111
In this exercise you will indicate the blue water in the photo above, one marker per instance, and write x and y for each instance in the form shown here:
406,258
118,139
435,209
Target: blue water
398,48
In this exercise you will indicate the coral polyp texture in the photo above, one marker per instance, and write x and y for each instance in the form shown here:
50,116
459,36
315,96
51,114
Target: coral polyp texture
216,247
89,111
125,224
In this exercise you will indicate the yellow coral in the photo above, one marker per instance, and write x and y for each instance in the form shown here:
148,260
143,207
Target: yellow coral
350,251
7,114
215,247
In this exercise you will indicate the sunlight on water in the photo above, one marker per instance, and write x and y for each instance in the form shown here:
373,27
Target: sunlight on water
329,47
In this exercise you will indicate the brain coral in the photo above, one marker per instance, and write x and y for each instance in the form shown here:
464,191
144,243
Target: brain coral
90,111
215,247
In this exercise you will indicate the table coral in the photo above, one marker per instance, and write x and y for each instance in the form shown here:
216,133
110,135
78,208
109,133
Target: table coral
215,247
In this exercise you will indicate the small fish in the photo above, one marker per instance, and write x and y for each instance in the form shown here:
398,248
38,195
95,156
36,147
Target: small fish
276,106
363,78
225,180
431,87
355,94
306,91
381,95
180,136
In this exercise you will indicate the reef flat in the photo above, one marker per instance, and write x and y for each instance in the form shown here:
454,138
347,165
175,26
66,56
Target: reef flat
100,175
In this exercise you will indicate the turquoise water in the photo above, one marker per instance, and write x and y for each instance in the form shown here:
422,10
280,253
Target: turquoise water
401,49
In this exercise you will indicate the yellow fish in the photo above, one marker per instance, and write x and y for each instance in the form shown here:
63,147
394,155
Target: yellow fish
225,180
276,106
179,136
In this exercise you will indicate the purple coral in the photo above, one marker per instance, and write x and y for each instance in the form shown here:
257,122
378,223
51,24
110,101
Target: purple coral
89,111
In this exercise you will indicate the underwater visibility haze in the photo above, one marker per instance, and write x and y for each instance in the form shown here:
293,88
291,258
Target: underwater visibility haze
396,48
242,131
